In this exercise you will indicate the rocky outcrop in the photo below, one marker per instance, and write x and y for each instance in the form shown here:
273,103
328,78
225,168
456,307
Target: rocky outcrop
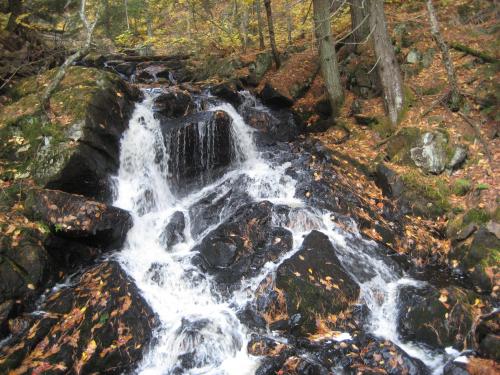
240,246
314,283
174,230
173,103
201,146
100,325
77,218
79,151
438,318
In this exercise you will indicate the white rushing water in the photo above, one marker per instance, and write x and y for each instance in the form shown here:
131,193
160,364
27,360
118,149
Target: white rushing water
200,332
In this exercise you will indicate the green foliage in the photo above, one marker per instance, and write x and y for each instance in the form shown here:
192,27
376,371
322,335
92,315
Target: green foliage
482,186
477,216
461,186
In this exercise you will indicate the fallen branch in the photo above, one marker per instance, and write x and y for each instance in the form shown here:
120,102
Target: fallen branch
482,55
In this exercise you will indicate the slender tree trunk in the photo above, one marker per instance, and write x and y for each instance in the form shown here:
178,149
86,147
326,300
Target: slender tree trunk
360,20
387,65
125,4
15,9
289,21
455,97
107,18
244,28
272,40
54,84
327,55
260,24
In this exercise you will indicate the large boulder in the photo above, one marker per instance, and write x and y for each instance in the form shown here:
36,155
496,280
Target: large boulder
25,267
241,245
430,155
201,146
438,318
173,103
314,283
101,324
75,217
79,149
487,336
174,230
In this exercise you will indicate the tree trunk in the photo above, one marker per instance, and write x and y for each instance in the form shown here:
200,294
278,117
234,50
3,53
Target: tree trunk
244,28
289,21
260,24
387,65
125,4
360,22
455,98
15,9
327,55
107,19
272,41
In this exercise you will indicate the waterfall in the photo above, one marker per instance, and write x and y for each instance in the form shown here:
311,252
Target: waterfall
200,332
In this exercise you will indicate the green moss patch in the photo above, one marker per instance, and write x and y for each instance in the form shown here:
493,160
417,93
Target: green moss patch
461,187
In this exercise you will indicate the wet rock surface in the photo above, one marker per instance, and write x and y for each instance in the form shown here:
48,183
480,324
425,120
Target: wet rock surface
438,318
77,218
174,230
243,244
100,324
201,146
174,103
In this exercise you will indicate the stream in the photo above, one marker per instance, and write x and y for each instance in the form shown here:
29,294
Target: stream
200,330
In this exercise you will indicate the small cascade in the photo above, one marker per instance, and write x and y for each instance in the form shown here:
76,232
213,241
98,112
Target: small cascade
200,331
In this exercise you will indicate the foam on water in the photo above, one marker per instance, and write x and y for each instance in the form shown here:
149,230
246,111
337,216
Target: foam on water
200,331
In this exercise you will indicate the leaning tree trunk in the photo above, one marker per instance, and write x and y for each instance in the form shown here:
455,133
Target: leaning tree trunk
327,55
272,40
260,25
289,21
360,22
54,84
387,65
455,97
15,9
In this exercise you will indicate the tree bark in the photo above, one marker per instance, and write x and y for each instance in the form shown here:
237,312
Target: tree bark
272,40
387,64
15,9
455,98
360,22
327,55
125,4
260,24
289,21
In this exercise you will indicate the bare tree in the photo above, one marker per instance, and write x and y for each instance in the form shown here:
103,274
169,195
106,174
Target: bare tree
260,23
272,40
289,20
387,65
454,94
89,29
327,55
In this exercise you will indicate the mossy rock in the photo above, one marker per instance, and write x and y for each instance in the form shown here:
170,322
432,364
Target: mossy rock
398,147
438,318
78,148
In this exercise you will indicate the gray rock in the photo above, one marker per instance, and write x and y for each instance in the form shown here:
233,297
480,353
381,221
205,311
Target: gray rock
413,57
431,156
459,156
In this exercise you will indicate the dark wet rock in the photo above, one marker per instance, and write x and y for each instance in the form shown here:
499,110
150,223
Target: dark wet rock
314,282
487,336
296,365
455,368
125,68
201,146
5,310
365,120
241,245
75,217
173,103
276,124
399,145
174,230
438,318
389,181
172,69
212,208
271,96
24,266
100,325
69,254
251,318
431,154
227,91
371,356
477,256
